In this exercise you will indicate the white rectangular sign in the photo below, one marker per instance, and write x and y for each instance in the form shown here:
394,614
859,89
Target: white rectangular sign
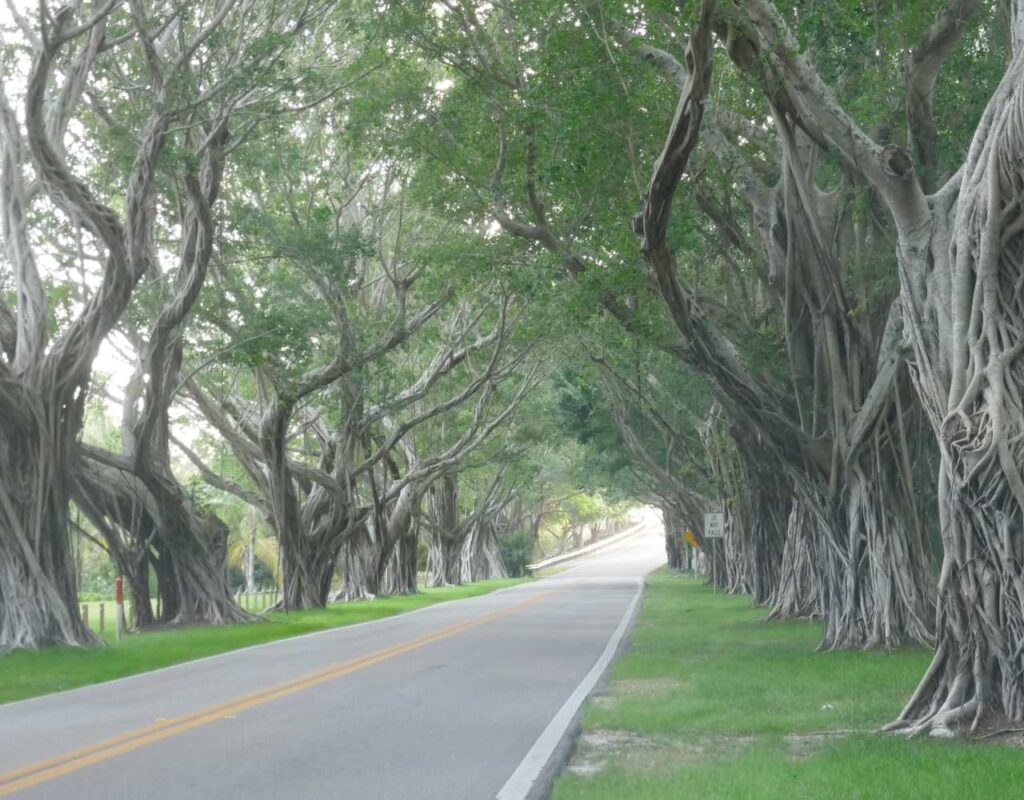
714,525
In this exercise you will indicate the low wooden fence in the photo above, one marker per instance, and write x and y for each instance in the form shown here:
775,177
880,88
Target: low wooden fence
101,615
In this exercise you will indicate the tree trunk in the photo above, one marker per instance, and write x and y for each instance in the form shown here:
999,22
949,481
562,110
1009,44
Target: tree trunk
138,590
38,591
961,266
867,562
737,554
357,567
715,569
480,559
307,570
443,560
192,545
399,575
250,562
146,519
771,498
674,545
445,532
888,598
798,593
198,592
114,503
974,676
397,556
309,546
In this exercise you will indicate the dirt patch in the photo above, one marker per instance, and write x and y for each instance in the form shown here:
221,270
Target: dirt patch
1014,737
640,687
636,753
805,745
644,687
596,748
997,728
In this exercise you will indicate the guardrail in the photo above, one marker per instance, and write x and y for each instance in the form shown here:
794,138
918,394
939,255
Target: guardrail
586,551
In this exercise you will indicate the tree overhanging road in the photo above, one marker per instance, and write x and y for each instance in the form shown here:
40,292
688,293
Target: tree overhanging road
446,702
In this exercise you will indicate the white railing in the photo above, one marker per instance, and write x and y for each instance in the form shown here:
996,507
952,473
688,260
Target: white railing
257,601
582,552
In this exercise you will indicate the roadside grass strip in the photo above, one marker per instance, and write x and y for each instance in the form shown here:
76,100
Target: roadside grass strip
25,674
710,702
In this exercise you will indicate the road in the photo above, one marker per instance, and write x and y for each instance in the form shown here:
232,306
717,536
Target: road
461,701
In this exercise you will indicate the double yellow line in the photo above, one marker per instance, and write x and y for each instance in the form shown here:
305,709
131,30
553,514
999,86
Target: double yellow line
42,771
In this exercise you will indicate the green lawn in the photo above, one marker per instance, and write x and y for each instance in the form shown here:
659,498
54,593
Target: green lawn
28,674
711,703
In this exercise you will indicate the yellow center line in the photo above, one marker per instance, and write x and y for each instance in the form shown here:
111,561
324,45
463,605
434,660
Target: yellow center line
42,771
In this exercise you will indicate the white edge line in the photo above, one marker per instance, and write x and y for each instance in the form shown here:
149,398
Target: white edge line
518,787
283,640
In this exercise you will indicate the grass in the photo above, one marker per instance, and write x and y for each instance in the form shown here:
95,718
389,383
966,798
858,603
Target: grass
29,674
711,703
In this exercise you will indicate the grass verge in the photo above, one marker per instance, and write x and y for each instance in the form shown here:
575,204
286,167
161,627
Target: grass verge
709,702
29,674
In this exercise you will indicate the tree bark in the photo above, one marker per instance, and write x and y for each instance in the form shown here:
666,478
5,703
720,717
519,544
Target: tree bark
357,567
445,532
396,564
798,593
38,591
480,559
961,263
674,544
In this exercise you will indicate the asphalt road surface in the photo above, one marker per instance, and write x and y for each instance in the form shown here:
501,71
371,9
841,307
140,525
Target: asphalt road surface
464,700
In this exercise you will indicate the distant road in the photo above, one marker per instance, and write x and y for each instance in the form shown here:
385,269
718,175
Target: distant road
457,701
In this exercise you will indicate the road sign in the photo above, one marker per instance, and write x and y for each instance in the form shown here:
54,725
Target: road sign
714,525
690,539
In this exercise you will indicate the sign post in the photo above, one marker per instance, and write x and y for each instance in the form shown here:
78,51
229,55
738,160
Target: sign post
714,528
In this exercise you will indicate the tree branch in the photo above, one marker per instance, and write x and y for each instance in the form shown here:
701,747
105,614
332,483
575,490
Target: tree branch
922,73
889,169
219,481
23,335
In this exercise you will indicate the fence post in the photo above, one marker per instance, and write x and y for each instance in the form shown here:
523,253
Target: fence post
85,614
103,608
119,600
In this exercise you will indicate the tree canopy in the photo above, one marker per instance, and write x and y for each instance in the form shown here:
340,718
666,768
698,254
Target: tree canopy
382,289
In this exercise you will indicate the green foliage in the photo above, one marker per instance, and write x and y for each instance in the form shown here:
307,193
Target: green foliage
96,571
516,552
